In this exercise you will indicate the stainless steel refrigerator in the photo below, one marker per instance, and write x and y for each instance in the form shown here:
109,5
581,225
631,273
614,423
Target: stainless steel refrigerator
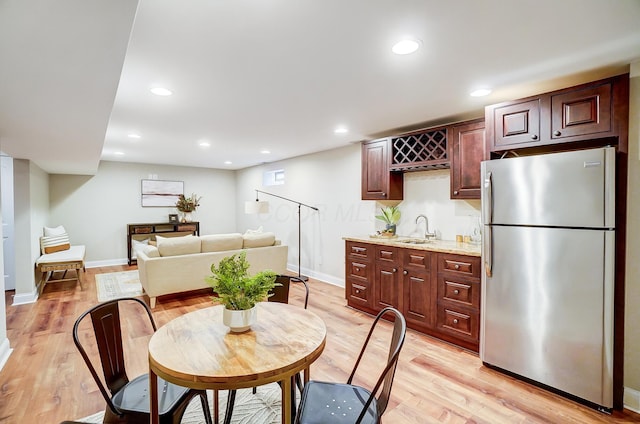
548,281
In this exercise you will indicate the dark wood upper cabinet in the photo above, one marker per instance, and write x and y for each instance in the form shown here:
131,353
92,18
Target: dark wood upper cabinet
378,182
587,112
515,123
467,146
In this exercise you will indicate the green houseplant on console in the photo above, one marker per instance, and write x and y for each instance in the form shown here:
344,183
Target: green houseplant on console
238,291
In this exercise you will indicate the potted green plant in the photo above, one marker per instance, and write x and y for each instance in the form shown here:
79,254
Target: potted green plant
391,216
186,205
238,291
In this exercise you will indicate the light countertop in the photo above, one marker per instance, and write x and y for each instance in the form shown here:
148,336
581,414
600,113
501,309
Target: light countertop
444,246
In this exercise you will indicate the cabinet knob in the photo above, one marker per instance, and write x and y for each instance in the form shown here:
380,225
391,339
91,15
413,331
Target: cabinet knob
455,192
395,269
557,133
357,269
357,291
384,194
405,272
456,291
534,136
455,321
456,266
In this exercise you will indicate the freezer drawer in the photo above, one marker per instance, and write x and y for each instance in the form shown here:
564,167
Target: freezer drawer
547,309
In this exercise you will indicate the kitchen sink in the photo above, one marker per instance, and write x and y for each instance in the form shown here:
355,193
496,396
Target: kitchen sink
414,241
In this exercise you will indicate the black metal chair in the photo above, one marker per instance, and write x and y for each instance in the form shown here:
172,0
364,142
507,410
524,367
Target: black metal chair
280,293
337,403
128,400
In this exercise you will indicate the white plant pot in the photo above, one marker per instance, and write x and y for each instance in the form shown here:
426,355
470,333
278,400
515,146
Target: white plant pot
239,321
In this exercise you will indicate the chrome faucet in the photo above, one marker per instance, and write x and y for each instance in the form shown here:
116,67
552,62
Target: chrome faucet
427,234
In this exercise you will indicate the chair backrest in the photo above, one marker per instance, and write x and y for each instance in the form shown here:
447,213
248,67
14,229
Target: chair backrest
385,380
105,318
280,293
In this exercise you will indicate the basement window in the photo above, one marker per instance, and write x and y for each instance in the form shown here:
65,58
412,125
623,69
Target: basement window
272,178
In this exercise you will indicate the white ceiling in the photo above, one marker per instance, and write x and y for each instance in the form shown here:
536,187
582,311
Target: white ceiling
280,75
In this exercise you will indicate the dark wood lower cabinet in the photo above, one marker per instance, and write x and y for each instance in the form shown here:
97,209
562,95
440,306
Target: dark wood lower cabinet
438,293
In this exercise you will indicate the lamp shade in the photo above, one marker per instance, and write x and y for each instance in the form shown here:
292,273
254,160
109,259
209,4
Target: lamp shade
256,206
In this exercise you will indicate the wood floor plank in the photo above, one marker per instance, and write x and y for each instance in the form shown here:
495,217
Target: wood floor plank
46,381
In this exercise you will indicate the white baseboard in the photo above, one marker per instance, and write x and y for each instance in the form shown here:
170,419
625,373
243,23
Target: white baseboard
5,352
632,399
25,298
317,275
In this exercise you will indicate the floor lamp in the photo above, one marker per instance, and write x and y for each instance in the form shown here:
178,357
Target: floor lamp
262,207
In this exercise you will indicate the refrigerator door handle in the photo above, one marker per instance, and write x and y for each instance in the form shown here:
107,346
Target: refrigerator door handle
487,200
487,250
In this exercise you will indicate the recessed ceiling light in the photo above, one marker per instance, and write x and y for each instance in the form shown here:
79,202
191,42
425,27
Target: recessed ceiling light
132,135
161,91
227,162
204,144
341,130
480,92
406,46
118,153
265,152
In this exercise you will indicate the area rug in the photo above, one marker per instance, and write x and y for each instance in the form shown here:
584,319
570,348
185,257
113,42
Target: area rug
261,408
115,285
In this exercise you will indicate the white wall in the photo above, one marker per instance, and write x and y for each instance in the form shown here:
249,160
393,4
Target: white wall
329,181
95,210
632,292
31,210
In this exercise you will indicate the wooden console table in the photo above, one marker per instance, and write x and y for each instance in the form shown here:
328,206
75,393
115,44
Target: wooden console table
149,231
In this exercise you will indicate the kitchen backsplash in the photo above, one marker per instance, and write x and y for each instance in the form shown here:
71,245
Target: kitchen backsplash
427,193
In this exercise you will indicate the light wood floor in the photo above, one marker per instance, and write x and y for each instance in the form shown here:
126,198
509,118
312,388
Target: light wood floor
45,380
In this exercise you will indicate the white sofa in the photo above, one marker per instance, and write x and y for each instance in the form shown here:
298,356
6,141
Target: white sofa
180,264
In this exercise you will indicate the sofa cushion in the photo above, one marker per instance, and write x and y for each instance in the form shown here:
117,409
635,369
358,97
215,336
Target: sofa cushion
258,240
151,251
221,242
176,246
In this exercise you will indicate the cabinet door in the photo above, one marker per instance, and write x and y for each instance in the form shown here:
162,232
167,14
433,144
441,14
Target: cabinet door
378,183
419,294
387,282
467,143
514,124
586,111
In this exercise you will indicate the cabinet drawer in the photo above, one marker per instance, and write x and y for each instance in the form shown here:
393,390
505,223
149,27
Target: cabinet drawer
358,292
386,254
419,260
458,322
358,269
460,292
463,265
359,250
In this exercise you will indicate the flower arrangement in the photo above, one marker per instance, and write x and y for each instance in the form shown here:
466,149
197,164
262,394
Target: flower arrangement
188,204
236,289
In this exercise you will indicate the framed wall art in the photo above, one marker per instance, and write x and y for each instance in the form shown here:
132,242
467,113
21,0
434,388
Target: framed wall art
161,193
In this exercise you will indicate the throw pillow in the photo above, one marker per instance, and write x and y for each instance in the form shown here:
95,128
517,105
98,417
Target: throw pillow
221,242
55,239
258,240
137,244
175,246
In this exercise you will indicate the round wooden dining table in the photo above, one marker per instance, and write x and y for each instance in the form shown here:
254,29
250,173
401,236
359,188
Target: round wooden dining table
197,350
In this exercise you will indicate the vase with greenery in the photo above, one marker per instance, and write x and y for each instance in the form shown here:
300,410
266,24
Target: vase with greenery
238,291
391,216
186,205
